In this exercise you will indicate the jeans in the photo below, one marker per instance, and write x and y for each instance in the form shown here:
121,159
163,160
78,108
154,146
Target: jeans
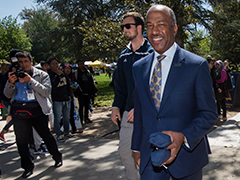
71,120
61,108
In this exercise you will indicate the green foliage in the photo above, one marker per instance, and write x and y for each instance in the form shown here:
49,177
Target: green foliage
100,19
105,94
89,29
12,36
40,26
199,43
73,14
102,39
225,31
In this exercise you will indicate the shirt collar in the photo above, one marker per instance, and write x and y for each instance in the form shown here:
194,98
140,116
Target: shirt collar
129,46
170,52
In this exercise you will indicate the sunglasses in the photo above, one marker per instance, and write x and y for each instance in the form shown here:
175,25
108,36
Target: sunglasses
128,25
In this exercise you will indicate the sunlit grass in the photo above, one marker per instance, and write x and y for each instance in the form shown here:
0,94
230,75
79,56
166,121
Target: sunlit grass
105,92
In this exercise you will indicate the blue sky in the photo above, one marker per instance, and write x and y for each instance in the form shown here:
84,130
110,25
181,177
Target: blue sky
14,7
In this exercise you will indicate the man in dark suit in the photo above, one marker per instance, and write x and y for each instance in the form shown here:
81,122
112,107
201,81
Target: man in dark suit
184,107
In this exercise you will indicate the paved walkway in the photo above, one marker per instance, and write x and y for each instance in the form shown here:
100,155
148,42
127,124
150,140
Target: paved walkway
225,158
90,159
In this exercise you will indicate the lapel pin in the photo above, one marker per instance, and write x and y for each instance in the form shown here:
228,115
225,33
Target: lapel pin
177,64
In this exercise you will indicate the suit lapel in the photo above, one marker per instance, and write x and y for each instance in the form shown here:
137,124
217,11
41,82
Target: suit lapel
176,69
146,76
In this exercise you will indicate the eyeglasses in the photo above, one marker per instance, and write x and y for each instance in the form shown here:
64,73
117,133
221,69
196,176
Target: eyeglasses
128,25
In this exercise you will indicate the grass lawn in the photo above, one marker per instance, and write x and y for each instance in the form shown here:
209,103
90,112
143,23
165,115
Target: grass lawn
105,92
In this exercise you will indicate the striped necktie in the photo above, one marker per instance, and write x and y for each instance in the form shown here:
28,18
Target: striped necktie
156,82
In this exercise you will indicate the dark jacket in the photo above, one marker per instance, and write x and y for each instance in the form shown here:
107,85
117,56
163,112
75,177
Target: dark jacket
124,84
85,82
3,81
60,86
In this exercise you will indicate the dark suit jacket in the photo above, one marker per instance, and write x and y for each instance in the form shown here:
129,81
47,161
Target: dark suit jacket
188,106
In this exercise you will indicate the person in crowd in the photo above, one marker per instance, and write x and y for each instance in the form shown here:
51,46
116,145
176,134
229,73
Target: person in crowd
30,97
61,95
213,75
92,98
214,60
230,78
90,68
5,67
85,90
221,79
226,66
138,47
110,72
173,100
4,100
44,66
67,69
107,71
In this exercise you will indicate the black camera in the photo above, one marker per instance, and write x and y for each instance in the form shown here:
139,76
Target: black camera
19,71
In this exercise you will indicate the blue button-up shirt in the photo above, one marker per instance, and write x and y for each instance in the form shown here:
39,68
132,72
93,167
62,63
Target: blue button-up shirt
21,94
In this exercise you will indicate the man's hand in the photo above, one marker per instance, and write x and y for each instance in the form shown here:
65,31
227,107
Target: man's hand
177,139
130,116
136,157
11,78
219,90
115,112
25,79
57,71
73,87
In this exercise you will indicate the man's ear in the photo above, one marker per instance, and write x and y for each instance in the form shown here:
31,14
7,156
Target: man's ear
139,28
31,62
175,29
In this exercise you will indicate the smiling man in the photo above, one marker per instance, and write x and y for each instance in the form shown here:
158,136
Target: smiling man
133,27
31,105
174,96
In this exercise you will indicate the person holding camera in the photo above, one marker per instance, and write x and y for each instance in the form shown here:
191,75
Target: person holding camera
30,90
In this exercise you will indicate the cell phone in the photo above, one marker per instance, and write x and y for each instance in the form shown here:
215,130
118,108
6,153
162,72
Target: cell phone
75,84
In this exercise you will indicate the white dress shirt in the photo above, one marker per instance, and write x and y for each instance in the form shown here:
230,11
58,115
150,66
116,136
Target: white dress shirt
165,64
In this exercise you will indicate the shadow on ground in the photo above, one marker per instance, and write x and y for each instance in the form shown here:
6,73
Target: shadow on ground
86,159
224,164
